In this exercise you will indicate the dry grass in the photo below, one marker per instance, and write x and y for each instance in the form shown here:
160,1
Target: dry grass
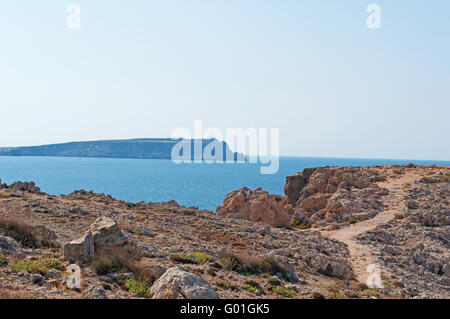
119,260
29,236
20,231
245,263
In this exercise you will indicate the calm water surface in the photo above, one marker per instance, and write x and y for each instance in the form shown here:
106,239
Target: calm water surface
134,180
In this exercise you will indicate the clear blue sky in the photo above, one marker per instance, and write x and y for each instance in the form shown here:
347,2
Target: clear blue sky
311,68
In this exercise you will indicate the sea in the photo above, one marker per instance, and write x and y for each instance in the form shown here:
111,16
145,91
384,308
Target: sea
134,180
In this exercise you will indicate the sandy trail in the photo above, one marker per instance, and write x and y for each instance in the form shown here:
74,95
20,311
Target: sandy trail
360,255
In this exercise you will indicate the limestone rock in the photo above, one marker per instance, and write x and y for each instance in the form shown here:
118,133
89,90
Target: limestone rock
81,249
10,246
176,283
333,195
29,187
95,293
257,206
106,233
332,268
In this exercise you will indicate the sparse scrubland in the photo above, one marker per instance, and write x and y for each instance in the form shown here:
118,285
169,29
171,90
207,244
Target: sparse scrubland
314,242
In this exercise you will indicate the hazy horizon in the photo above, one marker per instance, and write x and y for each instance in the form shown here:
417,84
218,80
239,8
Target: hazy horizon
293,156
334,87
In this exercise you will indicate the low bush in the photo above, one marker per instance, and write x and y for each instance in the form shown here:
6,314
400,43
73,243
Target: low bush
20,231
371,292
283,291
253,287
105,264
300,225
38,266
182,258
336,295
201,257
118,260
247,264
138,287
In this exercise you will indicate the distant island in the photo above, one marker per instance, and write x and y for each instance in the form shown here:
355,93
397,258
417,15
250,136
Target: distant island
143,148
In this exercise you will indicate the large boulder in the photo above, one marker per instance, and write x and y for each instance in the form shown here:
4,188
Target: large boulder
9,246
103,236
177,283
81,250
106,233
332,268
257,206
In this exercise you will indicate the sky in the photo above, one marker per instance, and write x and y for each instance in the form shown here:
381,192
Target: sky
313,69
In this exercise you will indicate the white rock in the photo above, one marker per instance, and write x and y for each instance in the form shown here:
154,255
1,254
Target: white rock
176,283
81,249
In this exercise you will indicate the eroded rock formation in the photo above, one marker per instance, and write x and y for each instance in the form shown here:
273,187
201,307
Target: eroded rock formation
256,206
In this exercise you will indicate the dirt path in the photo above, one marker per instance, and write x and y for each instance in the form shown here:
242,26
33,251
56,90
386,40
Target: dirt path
360,255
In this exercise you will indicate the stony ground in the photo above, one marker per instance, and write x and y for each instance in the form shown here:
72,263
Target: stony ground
399,220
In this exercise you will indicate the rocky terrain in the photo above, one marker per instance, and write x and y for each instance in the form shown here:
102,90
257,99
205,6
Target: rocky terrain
314,242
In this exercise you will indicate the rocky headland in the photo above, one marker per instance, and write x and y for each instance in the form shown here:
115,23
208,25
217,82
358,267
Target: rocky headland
316,241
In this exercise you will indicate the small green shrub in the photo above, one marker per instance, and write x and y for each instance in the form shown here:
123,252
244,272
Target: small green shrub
336,295
430,173
253,287
201,257
300,225
182,258
138,287
51,263
428,180
282,291
273,281
372,292
30,266
2,260
226,285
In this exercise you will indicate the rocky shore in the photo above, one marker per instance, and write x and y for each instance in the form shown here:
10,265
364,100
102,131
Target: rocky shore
315,241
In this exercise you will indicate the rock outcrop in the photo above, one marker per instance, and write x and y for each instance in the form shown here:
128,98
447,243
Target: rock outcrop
333,195
81,249
106,232
256,206
104,235
9,246
29,187
176,283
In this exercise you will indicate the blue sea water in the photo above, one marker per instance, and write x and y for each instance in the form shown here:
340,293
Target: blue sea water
134,180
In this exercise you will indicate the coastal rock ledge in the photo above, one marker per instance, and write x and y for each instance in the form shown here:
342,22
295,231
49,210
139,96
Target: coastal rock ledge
256,206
